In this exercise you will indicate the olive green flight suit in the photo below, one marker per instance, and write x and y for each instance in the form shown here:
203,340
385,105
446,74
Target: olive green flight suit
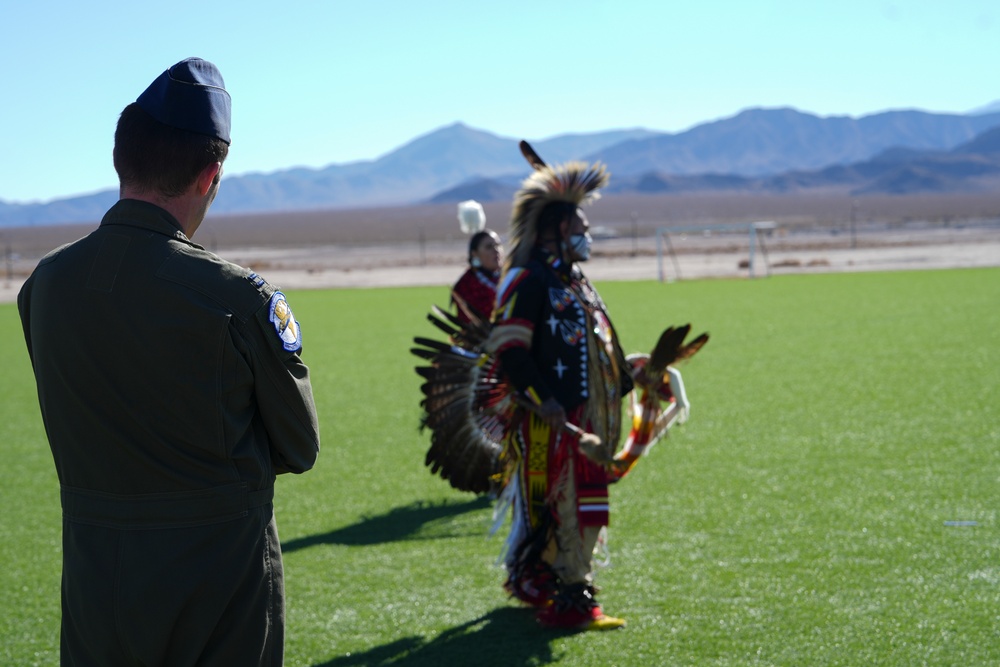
172,393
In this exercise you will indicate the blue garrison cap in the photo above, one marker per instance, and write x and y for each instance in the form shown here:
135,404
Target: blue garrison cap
191,96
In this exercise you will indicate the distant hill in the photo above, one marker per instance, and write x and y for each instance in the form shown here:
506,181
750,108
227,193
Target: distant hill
758,142
459,162
992,107
428,164
84,208
971,166
480,189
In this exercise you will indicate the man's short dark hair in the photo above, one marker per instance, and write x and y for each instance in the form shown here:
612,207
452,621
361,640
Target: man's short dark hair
152,157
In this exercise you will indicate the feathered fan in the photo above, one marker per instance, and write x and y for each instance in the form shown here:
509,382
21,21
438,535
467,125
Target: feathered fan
659,400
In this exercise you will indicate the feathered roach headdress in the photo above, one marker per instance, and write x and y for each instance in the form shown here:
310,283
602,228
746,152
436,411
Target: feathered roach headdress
573,183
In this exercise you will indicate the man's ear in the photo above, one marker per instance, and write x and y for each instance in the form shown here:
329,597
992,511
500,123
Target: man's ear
207,177
564,228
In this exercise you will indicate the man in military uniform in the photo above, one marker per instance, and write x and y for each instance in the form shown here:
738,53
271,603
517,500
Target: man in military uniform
558,349
172,392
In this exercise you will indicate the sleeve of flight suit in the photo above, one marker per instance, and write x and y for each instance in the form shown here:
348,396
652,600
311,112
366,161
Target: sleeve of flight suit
281,385
24,310
265,331
24,302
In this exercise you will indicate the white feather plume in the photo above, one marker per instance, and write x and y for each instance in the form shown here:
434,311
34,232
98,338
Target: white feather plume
471,216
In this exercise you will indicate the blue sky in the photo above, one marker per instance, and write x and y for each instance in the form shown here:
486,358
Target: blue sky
315,83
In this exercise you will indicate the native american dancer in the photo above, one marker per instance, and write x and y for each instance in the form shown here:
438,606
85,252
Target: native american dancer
529,406
475,292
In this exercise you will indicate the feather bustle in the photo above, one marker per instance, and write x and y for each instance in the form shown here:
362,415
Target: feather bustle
463,401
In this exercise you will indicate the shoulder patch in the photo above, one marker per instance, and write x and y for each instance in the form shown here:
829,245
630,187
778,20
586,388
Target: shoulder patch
284,323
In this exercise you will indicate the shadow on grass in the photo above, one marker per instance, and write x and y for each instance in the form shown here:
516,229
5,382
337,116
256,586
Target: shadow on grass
504,636
399,523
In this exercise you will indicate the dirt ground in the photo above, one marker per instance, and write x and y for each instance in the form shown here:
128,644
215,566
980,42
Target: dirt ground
422,244
679,256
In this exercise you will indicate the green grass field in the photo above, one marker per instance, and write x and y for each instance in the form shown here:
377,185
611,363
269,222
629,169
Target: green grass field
803,516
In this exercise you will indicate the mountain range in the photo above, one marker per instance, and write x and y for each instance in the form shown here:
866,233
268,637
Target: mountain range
971,166
775,150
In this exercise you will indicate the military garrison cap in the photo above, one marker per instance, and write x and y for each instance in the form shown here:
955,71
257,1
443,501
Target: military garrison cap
191,96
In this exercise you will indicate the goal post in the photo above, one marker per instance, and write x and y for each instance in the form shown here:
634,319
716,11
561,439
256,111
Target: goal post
665,247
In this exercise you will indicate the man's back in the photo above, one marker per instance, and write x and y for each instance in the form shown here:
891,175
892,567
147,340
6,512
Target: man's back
170,402
141,345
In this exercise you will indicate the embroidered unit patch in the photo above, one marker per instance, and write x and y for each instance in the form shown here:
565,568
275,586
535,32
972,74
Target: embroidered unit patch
284,323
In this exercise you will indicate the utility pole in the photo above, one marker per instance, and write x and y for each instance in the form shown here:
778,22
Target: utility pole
8,257
854,223
635,233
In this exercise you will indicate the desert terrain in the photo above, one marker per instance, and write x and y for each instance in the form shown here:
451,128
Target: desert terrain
706,236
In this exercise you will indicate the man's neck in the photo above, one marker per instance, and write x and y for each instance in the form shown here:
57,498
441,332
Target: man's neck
179,207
